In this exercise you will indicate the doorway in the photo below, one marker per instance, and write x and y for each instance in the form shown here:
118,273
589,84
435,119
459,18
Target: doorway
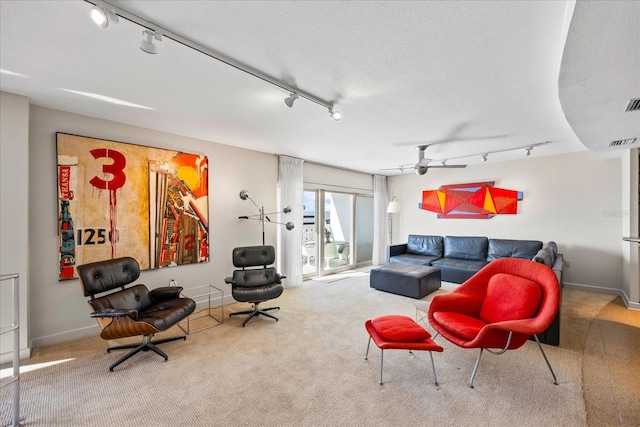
337,231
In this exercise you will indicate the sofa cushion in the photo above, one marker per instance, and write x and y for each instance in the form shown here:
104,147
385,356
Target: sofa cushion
397,328
456,270
510,297
504,248
471,264
425,245
463,326
465,247
414,259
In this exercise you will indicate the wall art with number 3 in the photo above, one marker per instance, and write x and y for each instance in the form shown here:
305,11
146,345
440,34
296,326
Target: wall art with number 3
117,199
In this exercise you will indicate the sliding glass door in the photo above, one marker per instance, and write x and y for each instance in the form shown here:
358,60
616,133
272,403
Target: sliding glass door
309,234
330,230
336,232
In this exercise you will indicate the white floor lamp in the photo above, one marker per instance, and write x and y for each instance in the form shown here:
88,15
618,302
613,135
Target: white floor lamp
394,207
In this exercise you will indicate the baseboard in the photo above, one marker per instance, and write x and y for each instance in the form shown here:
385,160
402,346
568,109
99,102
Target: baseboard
7,357
601,290
630,305
65,336
590,288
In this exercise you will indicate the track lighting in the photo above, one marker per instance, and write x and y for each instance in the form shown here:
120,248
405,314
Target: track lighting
421,167
147,42
290,100
103,16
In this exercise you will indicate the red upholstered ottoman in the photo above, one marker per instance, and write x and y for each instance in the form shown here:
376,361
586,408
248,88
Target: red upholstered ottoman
395,332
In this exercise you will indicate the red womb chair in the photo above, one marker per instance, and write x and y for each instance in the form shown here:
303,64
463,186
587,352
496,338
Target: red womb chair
499,308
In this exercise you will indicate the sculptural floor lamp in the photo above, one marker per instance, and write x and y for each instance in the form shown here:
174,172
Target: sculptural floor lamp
262,216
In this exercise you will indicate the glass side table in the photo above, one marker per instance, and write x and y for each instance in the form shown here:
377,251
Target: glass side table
197,293
422,308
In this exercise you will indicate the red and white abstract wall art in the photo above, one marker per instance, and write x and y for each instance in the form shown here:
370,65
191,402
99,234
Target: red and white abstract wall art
478,200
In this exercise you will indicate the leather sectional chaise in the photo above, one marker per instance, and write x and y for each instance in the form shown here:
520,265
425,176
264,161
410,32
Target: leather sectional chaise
460,257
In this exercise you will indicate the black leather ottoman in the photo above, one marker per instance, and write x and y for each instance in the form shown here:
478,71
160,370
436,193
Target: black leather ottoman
410,280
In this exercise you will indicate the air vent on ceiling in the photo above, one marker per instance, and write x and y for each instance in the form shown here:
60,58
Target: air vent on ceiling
634,105
622,142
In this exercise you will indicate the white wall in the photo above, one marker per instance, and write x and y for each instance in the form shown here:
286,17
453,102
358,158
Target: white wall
321,176
573,199
630,226
14,226
58,310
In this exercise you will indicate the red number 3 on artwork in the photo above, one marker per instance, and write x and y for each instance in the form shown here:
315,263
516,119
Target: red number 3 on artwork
116,169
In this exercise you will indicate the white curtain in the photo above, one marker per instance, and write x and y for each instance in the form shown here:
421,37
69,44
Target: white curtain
380,223
290,187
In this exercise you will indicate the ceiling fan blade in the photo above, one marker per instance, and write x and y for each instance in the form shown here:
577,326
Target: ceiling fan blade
453,139
448,166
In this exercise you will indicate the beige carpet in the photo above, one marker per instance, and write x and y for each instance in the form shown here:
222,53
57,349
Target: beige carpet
305,370
611,367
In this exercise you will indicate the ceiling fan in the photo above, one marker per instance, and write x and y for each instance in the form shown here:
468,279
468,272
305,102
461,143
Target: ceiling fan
422,166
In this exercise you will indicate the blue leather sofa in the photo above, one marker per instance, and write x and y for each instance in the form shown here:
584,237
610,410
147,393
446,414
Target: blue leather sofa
460,257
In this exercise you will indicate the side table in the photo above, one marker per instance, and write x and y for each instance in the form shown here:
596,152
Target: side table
211,292
422,308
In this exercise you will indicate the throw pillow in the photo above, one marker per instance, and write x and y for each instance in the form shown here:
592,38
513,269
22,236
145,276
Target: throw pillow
544,256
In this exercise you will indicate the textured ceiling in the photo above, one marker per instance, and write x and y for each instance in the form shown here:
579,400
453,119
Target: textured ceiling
600,72
482,76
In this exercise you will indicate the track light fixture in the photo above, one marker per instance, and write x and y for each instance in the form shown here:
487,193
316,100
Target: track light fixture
103,16
148,46
290,99
421,169
147,42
